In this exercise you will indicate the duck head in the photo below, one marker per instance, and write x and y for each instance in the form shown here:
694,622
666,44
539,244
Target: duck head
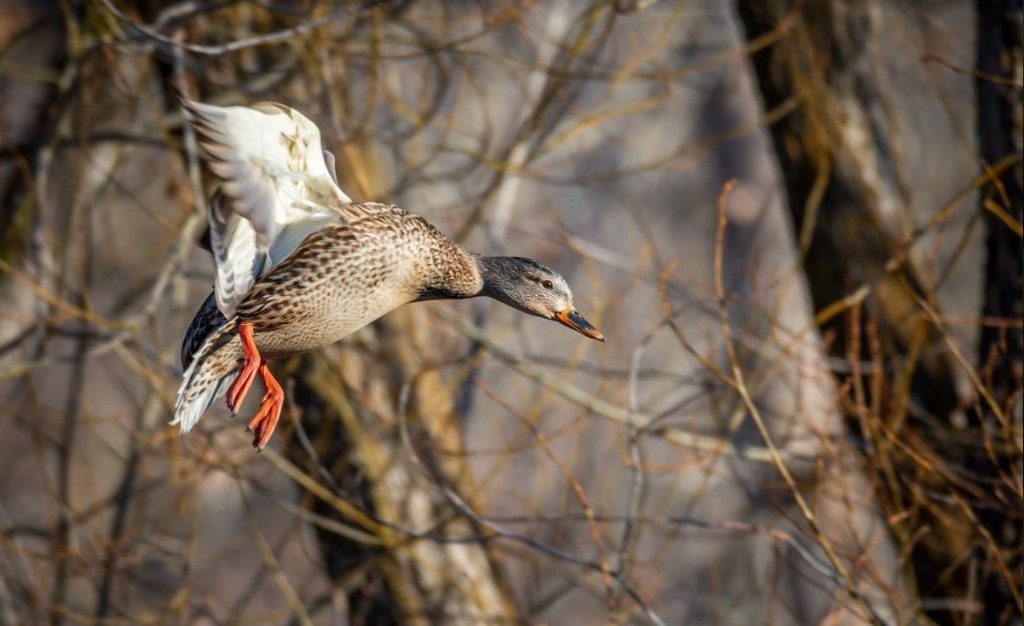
533,288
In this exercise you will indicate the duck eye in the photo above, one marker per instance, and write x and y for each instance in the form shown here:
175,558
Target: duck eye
547,284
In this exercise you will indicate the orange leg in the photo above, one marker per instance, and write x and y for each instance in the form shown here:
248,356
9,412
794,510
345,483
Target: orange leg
250,363
263,425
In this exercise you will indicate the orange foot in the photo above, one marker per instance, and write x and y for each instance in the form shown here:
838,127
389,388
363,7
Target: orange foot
263,424
251,362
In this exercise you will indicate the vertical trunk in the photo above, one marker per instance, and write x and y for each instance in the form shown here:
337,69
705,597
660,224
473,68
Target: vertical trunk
840,152
382,425
1001,348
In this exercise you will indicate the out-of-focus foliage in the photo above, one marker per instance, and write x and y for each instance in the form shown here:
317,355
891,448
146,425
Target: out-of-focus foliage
777,214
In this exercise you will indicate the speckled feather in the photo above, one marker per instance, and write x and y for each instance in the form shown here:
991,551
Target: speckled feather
344,277
304,266
338,280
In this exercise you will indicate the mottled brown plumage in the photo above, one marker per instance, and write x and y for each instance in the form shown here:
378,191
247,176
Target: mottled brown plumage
361,261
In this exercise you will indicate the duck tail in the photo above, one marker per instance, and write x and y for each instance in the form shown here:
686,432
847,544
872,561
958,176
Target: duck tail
208,376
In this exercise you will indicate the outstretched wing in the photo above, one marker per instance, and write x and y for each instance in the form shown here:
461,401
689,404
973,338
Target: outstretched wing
277,189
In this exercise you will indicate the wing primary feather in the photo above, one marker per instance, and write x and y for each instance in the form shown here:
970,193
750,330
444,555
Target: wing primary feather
330,162
275,177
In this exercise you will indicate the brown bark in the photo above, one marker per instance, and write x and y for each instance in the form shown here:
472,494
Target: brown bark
1001,350
839,152
395,462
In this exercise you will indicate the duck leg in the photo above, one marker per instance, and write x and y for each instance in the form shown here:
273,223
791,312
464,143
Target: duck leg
265,421
263,424
251,362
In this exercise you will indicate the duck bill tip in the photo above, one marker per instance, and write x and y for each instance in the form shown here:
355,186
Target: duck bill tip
571,318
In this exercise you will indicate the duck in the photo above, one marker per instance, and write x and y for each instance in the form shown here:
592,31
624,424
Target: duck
299,265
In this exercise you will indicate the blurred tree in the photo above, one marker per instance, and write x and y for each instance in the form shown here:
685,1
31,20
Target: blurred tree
840,153
999,83
429,470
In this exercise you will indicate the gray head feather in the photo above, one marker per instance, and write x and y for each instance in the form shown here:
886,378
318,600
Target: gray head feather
525,284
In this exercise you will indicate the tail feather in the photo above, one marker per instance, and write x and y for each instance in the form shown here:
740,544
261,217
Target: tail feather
208,376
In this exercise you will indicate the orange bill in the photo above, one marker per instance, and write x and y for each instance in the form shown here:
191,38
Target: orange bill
571,317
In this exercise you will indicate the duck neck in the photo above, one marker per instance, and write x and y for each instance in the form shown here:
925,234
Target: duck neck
461,276
498,277
477,275
490,275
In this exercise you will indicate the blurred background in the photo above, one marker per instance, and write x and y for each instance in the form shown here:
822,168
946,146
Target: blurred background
797,223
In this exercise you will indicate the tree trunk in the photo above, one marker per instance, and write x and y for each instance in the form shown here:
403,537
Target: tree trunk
1001,348
839,150
395,463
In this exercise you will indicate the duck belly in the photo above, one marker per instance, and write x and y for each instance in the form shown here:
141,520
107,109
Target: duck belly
320,317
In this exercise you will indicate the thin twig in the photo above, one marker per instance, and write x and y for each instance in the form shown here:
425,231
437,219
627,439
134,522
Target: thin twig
174,43
776,456
642,422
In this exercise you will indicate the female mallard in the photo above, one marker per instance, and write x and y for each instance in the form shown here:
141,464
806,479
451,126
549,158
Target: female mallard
300,265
